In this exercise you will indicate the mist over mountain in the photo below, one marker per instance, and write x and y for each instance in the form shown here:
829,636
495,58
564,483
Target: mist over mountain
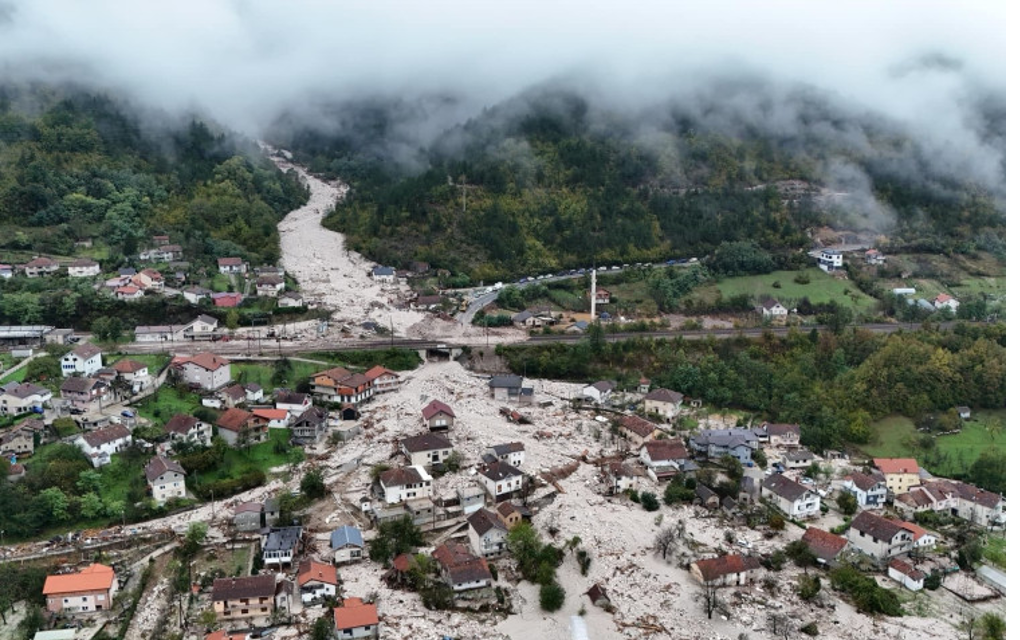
903,118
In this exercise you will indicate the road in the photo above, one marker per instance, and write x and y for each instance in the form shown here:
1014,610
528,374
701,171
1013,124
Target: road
271,347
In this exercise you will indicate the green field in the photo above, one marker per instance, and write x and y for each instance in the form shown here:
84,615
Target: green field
822,288
165,403
974,285
274,452
262,373
995,550
896,437
16,376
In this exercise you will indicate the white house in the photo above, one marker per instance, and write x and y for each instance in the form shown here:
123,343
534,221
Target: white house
426,449
232,265
99,445
462,569
293,403
511,453
347,544
773,309
165,478
280,545
204,370
619,476
665,403
195,294
316,581
83,360
384,274
89,590
201,327
355,619
405,483
946,301
908,576
868,488
878,537
486,533
382,379
134,373
830,260
792,498
500,479
290,299
83,268
269,286
598,392
187,428
665,458
21,397
726,570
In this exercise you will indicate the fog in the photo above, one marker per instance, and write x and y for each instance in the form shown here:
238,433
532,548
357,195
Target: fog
925,65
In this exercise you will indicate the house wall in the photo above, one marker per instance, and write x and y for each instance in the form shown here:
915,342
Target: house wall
82,601
901,543
901,482
209,380
313,591
243,608
440,421
492,543
808,506
371,631
349,553
428,458
667,410
167,486
248,521
71,364
905,580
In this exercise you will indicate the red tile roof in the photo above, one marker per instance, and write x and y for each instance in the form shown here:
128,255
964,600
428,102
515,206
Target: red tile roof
378,371
823,544
128,366
355,613
208,361
906,569
896,465
310,570
436,407
233,419
95,577
638,426
669,449
714,568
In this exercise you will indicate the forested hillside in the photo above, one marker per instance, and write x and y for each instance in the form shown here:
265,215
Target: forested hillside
77,166
550,180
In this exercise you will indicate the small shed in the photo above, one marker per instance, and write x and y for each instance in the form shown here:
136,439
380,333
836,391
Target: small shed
598,596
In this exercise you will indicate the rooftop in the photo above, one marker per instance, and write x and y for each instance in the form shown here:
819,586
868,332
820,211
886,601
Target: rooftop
714,568
896,465
782,486
346,535
95,577
355,613
665,395
877,526
310,570
425,442
436,407
160,465
263,586
823,544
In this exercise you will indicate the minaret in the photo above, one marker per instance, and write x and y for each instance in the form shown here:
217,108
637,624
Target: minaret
593,294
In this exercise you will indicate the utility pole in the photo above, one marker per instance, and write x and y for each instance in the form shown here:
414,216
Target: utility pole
463,193
593,292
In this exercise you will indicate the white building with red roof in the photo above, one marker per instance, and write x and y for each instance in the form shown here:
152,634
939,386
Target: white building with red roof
90,590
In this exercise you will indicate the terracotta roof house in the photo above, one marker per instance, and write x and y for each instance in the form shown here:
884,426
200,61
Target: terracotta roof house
232,265
901,474
355,619
735,570
665,403
383,379
234,395
665,458
40,266
438,416
908,576
638,430
204,370
316,581
620,476
460,568
238,427
405,483
341,386
87,591
824,545
226,299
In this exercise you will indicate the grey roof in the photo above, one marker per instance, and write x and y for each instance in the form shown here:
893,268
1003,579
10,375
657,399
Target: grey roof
665,395
282,539
426,442
800,455
604,385
80,385
875,525
704,493
782,486
344,536
23,390
400,476
726,438
506,381
499,470
383,271
507,448
522,316
105,436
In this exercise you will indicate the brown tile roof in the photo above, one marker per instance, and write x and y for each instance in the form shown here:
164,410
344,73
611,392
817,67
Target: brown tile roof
248,507
402,562
291,397
620,470
436,407
208,361
235,392
776,428
77,384
263,586
918,531
271,414
460,564
865,481
823,544
105,436
604,386
86,351
782,486
506,509
95,577
377,371
128,366
499,470
160,465
233,419
180,423
484,520
425,442
355,613
638,426
904,568
714,568
229,262
669,449
336,374
309,570
665,395
23,390
967,492
896,465
877,526
400,476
